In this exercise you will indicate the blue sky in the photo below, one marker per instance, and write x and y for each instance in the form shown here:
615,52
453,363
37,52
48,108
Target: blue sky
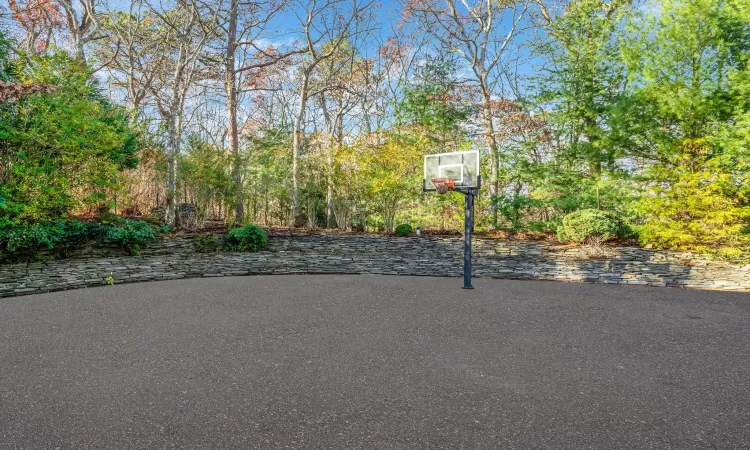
387,14
285,27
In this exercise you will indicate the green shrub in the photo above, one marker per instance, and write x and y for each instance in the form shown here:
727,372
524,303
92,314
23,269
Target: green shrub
31,238
703,211
206,243
75,234
24,242
588,224
403,230
132,235
250,238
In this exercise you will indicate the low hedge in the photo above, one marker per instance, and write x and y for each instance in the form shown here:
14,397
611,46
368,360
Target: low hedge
403,230
19,243
586,224
250,238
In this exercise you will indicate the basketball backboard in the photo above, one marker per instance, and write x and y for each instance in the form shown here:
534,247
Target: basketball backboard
461,167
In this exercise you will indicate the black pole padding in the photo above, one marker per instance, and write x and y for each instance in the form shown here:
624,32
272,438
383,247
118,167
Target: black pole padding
468,227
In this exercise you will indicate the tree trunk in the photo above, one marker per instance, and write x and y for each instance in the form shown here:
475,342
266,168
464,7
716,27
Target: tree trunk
489,132
329,189
173,147
265,210
233,129
78,52
335,138
297,142
174,131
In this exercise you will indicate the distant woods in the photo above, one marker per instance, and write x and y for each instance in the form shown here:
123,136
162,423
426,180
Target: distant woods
318,113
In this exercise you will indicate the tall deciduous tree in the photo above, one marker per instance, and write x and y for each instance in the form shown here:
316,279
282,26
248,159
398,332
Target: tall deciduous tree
81,20
344,77
246,22
325,27
185,30
134,51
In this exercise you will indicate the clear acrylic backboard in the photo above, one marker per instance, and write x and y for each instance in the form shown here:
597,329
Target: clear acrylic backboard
461,167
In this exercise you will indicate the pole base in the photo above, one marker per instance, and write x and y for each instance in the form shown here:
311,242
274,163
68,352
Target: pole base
468,287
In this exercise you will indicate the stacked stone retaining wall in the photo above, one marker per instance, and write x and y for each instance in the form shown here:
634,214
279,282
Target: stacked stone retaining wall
364,254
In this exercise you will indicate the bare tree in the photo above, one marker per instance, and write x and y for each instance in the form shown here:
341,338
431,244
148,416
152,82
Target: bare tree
326,26
81,19
134,52
184,31
246,22
344,80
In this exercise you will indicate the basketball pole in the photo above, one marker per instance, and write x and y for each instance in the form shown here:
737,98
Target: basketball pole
468,228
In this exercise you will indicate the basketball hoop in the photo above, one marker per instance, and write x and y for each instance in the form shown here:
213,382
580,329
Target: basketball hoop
443,185
457,171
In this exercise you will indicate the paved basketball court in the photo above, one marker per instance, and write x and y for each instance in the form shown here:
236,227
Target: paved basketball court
374,362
